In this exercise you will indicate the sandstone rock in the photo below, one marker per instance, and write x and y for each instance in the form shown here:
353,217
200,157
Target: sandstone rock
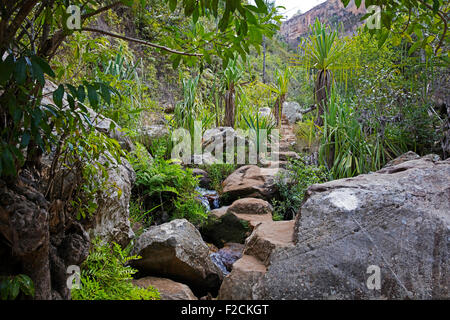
218,140
151,132
397,218
403,158
111,219
235,223
268,236
251,206
176,250
251,181
238,285
223,227
168,289
299,25
219,136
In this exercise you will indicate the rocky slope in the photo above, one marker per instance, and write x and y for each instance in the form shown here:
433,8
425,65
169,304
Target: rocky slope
331,12
396,219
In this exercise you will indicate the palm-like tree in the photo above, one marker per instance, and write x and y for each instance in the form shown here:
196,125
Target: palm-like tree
322,51
231,76
280,88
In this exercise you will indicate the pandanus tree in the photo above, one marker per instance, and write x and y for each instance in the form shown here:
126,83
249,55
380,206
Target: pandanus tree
322,52
231,76
280,88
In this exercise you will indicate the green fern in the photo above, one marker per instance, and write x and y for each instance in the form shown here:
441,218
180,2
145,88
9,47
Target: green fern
106,275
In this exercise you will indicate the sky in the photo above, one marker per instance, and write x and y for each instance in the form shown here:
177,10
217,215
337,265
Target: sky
292,6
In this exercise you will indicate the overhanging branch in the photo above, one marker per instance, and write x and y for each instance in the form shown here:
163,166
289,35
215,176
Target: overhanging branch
146,43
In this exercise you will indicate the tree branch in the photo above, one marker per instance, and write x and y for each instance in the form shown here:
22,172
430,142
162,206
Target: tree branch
444,20
98,11
154,45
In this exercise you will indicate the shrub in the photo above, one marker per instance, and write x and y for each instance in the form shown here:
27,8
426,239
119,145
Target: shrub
217,172
292,185
190,209
12,286
164,185
105,275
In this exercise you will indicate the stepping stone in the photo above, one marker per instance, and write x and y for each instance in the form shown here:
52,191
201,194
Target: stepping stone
239,283
267,236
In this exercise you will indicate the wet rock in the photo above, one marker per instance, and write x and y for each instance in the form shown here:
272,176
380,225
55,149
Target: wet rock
235,223
203,179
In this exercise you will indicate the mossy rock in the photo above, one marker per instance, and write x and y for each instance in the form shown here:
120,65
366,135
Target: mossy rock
227,228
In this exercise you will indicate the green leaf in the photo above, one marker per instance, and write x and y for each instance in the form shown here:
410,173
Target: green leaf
25,139
81,94
7,67
20,71
44,65
176,61
58,95
436,5
358,3
92,96
14,290
414,47
383,38
261,6
106,94
172,5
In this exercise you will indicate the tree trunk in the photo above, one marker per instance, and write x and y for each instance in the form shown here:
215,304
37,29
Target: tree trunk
278,109
230,107
321,92
264,60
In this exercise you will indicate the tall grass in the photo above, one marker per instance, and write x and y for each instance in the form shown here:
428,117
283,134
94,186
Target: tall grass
344,147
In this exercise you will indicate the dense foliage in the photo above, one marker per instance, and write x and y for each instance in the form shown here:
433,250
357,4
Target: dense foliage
105,275
292,185
71,97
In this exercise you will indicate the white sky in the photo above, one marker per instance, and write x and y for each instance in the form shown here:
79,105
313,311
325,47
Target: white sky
292,6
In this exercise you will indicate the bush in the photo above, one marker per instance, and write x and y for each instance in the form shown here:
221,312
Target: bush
191,210
292,185
164,185
217,172
105,275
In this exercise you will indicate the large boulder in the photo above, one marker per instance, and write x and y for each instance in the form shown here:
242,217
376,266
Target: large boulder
292,112
396,219
216,142
168,289
111,219
175,250
151,132
267,237
251,181
238,285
